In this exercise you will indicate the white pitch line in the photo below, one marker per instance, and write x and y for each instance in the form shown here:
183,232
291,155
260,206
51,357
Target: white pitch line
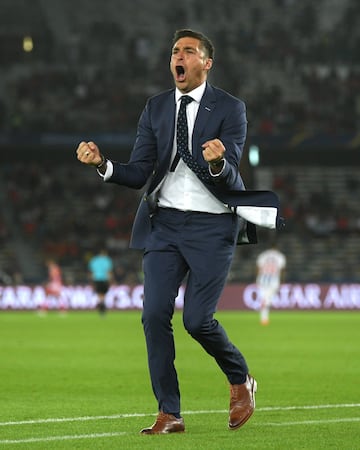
126,416
61,438
310,422
305,407
74,419
104,435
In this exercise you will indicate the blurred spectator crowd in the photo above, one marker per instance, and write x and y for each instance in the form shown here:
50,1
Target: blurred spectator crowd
66,212
47,216
296,65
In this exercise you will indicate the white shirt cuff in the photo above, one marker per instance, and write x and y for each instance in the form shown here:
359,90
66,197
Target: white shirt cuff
221,171
109,170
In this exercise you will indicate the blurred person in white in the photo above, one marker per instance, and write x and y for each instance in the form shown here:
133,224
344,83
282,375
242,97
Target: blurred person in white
270,264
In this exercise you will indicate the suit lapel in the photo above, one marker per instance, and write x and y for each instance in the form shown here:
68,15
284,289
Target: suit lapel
169,110
206,108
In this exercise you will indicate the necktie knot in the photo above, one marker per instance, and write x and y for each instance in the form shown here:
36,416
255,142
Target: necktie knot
185,100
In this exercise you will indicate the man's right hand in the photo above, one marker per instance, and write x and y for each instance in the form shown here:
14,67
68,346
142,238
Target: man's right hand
89,153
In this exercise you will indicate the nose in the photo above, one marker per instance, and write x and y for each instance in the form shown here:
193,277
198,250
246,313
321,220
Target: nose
179,56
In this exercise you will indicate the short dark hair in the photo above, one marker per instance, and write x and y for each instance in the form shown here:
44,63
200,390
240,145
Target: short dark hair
206,44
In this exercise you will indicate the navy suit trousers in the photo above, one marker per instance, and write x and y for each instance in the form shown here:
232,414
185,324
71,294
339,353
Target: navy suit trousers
197,249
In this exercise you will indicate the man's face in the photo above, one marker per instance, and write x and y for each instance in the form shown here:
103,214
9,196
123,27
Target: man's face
188,64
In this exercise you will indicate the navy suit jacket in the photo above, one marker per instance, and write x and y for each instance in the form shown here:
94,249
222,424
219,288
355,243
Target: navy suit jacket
221,116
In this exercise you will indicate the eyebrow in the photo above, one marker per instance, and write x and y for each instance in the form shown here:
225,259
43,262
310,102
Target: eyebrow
188,47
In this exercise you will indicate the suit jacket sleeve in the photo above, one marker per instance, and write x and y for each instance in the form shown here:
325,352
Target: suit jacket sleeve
137,171
233,136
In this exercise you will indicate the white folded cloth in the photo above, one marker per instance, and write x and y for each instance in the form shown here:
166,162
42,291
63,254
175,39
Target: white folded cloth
264,216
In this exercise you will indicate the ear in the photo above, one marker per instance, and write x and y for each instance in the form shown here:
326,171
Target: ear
208,64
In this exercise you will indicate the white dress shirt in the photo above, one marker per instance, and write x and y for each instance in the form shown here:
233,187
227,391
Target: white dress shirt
182,189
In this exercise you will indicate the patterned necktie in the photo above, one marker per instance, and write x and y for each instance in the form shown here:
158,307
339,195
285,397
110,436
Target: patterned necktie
182,141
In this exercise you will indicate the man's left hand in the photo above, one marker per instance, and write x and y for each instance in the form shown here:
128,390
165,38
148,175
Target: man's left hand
213,150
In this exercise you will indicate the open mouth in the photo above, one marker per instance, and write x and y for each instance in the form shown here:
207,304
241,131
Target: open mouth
180,73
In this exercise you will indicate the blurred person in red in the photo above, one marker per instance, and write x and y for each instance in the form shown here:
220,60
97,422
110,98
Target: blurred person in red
54,286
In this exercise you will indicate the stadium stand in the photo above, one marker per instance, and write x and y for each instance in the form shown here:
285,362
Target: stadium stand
296,64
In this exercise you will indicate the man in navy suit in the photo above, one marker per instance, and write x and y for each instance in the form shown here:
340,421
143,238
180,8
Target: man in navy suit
186,222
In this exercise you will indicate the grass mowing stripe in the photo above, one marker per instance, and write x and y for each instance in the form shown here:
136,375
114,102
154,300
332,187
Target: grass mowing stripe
84,366
221,411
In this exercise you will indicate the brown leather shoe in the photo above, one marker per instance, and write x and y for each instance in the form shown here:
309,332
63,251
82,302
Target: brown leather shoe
165,423
242,402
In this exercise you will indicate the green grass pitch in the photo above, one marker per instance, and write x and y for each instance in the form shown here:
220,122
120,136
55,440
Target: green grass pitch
81,382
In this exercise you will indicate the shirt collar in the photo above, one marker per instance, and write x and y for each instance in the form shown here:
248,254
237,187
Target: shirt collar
196,93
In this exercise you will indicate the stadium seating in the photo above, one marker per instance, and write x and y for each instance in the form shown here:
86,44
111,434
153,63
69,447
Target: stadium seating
296,64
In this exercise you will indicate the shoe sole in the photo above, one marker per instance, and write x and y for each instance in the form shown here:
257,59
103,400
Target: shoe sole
152,433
